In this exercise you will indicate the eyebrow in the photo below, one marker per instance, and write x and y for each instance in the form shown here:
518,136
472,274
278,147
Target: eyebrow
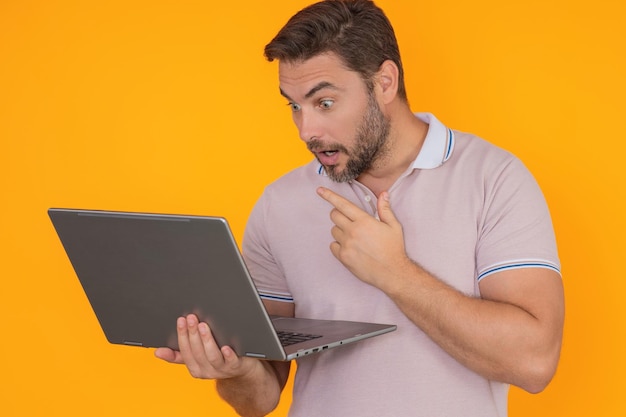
312,91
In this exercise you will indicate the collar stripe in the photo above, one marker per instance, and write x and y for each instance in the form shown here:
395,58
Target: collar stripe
450,145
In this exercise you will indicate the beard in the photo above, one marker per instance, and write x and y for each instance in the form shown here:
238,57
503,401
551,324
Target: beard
370,144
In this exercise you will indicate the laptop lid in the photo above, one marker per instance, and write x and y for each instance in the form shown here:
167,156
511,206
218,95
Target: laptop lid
140,272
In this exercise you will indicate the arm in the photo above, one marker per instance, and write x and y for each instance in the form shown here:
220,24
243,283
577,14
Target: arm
512,334
251,396
251,386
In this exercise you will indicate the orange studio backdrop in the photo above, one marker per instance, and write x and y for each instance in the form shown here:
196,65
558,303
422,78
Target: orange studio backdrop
169,106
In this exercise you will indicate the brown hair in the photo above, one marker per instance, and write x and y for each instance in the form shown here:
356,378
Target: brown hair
357,31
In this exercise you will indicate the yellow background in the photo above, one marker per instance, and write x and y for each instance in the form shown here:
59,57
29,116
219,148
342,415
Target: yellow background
169,106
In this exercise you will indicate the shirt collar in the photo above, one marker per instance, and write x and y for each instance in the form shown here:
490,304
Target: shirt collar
436,149
438,143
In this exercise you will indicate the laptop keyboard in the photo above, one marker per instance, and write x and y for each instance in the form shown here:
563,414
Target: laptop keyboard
290,338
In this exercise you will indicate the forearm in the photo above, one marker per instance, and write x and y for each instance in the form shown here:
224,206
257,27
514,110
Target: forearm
512,334
257,393
498,340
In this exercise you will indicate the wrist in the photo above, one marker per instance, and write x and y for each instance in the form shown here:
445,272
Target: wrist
401,277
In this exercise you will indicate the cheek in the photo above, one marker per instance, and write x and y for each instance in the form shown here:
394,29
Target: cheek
343,127
296,119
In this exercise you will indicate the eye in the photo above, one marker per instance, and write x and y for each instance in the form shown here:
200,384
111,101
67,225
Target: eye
326,104
294,107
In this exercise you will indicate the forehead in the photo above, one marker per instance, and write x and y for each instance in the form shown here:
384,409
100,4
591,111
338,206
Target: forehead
301,77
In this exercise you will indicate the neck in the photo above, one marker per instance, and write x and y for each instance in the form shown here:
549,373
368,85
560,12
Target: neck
405,141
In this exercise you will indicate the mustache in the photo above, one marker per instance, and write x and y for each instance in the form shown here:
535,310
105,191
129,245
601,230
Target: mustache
316,145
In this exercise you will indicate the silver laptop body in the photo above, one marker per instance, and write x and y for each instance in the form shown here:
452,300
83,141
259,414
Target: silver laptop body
140,272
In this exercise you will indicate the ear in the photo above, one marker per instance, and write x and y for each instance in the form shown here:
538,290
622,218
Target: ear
387,78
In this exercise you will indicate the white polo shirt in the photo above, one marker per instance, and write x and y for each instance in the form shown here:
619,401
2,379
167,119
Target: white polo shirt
468,210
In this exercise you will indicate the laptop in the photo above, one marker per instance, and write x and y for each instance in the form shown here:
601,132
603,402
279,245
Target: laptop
140,272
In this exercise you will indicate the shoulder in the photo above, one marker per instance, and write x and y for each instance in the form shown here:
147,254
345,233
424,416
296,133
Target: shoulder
486,161
476,149
295,179
292,195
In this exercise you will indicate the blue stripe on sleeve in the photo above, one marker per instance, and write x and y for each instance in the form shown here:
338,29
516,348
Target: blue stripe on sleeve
518,266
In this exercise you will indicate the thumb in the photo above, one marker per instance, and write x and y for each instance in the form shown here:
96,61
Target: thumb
385,214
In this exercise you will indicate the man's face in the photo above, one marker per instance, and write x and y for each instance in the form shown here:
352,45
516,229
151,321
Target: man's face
336,116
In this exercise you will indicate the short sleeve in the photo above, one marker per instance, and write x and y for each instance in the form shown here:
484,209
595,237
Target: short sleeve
516,228
257,253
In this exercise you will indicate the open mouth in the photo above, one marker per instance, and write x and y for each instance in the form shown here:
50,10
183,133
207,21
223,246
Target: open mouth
328,157
328,154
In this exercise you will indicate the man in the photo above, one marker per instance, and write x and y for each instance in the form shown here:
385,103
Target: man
399,219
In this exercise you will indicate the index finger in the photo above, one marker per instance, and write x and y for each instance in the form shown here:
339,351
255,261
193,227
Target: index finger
346,207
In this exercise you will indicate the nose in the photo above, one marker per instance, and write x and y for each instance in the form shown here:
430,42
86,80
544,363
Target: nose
308,125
